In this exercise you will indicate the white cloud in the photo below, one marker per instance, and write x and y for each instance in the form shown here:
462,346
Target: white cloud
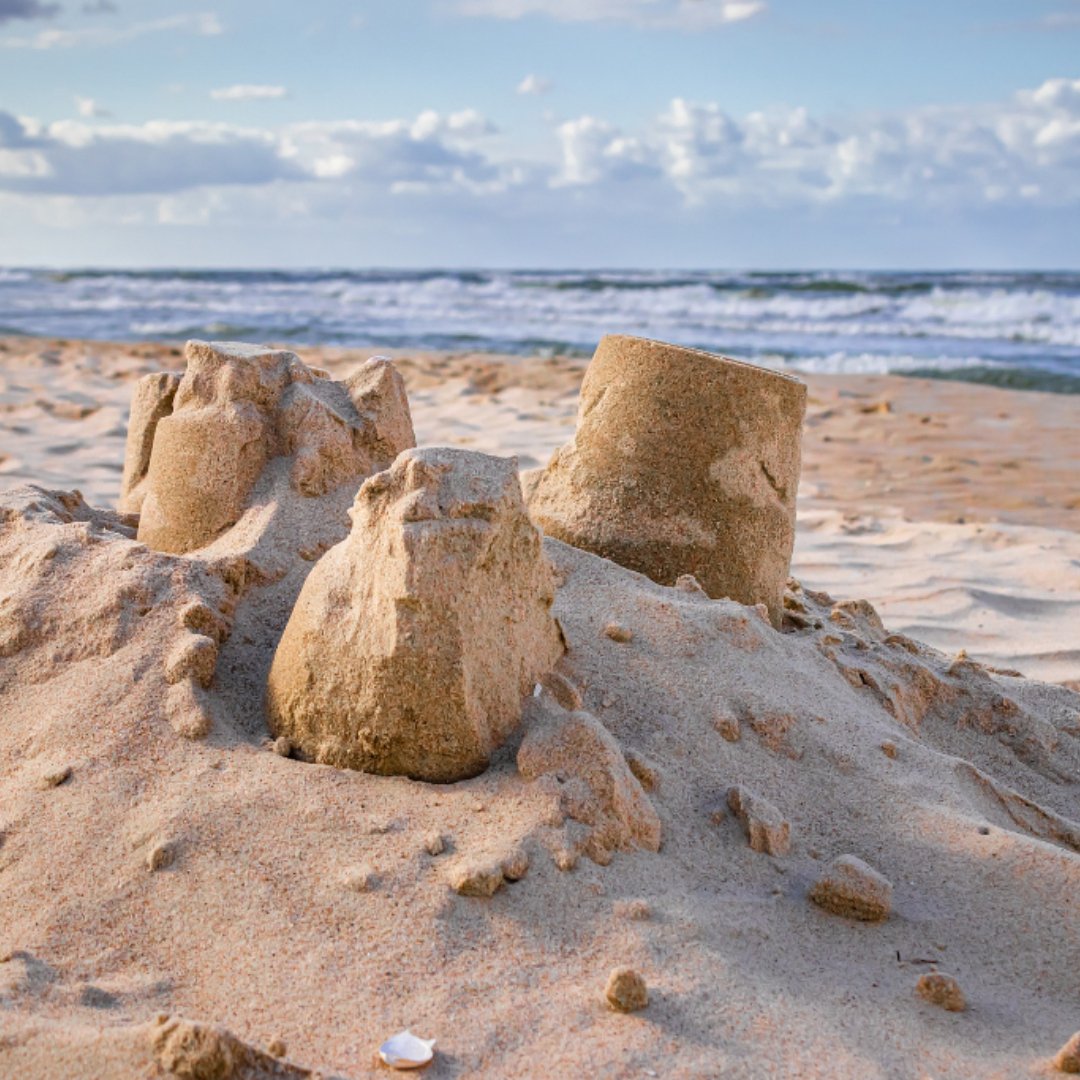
204,24
1017,151
89,108
675,14
534,86
1022,152
433,151
248,92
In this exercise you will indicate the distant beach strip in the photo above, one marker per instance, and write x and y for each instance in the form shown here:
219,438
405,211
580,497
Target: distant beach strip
1020,330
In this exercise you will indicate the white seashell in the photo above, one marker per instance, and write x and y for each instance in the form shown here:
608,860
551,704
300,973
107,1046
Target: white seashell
537,689
406,1051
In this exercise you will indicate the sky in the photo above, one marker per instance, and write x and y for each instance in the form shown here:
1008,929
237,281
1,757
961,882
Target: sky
917,134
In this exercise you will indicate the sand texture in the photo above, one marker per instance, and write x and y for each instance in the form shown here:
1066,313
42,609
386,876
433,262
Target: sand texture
682,463
710,847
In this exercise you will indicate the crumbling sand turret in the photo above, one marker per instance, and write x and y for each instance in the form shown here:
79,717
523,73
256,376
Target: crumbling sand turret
683,463
414,641
197,447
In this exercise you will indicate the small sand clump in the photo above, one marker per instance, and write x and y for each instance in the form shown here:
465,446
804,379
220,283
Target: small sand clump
1067,1059
626,991
683,463
851,888
633,910
765,827
414,642
728,727
160,857
361,879
434,843
55,777
598,789
942,990
484,875
200,1052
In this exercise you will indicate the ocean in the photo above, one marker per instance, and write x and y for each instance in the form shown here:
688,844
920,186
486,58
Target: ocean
1011,329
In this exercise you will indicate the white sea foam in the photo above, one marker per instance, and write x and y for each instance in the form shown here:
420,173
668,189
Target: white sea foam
854,321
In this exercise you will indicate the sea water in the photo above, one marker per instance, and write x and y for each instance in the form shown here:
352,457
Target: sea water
1016,329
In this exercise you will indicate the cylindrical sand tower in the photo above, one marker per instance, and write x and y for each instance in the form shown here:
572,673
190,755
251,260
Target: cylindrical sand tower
683,463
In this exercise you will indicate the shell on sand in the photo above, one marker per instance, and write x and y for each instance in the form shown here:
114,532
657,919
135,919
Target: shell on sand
407,1051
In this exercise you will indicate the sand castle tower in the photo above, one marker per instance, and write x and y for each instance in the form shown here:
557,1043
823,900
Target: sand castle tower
683,463
414,641
198,444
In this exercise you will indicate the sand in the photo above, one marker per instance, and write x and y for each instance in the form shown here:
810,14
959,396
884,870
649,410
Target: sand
953,508
159,855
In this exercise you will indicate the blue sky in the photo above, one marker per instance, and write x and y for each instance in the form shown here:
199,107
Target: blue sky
726,133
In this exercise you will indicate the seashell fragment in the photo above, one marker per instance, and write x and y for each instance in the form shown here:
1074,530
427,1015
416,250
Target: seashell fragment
407,1051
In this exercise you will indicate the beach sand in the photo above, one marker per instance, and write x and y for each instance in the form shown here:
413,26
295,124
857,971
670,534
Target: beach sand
157,857
953,508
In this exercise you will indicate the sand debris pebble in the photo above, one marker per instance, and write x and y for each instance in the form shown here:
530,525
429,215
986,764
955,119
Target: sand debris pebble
277,1048
942,990
197,1051
851,888
407,1051
618,632
434,843
361,879
516,864
195,657
766,829
477,877
1067,1059
626,991
55,777
160,856
632,910
601,791
729,727
565,859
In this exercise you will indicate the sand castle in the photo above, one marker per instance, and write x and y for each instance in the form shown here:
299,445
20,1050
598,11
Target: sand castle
683,463
792,817
198,445
414,642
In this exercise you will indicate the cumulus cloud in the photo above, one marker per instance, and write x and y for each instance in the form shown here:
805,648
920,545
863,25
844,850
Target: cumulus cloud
26,9
534,86
1023,153
674,14
433,151
100,7
203,24
248,92
1022,150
